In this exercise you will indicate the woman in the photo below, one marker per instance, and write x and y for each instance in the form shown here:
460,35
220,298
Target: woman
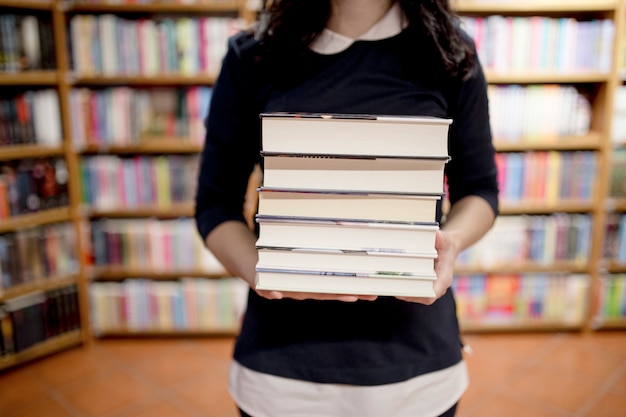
301,354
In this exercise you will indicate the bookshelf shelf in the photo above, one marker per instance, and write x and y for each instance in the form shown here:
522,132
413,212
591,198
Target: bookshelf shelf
121,333
47,347
617,268
545,208
591,141
173,211
11,152
534,6
35,219
121,273
512,327
27,5
546,77
610,324
157,7
146,146
160,80
526,267
45,77
616,204
45,285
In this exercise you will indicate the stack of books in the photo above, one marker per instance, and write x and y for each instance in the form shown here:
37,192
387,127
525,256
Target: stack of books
348,203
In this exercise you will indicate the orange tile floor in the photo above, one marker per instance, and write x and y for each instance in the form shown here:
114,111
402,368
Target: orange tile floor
513,375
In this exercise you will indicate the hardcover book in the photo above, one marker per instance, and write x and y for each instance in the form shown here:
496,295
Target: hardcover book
362,134
400,207
345,283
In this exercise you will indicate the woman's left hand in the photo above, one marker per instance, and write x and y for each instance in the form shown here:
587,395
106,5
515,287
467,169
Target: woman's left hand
444,267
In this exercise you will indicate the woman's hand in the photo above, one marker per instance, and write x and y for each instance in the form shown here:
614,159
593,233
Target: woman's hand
447,251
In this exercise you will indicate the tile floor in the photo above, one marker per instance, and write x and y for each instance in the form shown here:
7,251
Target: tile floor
513,375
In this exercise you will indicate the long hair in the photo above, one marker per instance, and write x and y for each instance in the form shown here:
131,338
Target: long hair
292,25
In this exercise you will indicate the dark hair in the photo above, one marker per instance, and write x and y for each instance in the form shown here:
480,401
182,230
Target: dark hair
293,25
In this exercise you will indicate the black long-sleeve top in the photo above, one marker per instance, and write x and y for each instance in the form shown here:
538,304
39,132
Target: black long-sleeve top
362,343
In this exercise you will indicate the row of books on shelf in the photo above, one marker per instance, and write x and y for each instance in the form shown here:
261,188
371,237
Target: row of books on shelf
32,184
546,177
37,254
537,43
109,45
128,116
112,182
618,173
522,298
612,297
151,245
615,238
30,319
618,127
186,304
538,239
26,42
537,113
31,117
336,209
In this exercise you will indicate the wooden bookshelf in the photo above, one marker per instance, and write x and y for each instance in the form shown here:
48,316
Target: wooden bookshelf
39,218
124,333
173,211
27,5
145,146
121,273
617,268
534,6
48,347
34,78
546,208
601,86
139,80
616,204
519,327
610,324
39,285
546,77
12,152
526,267
591,141
223,6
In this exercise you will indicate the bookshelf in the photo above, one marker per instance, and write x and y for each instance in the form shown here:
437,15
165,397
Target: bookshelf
598,87
41,266
96,153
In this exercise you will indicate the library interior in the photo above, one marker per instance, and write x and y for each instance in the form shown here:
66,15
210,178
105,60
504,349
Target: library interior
112,306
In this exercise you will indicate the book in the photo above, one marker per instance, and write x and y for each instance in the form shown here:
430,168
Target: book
343,260
293,232
345,283
371,173
347,134
399,207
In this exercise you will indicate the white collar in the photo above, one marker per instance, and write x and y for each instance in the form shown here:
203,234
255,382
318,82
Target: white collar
391,24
